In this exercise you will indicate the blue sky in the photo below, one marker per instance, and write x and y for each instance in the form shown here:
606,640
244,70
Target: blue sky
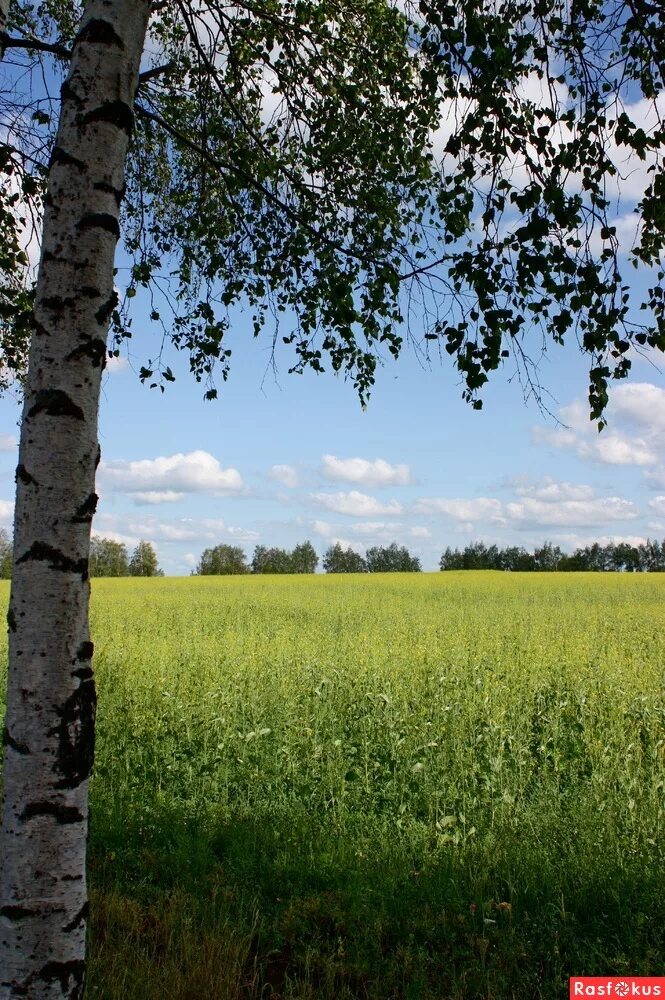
278,460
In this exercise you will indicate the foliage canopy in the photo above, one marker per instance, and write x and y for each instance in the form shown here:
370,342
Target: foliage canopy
338,167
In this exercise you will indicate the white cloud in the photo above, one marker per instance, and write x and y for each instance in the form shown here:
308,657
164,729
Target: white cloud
157,496
417,531
8,442
6,511
550,490
156,480
115,365
356,504
184,529
641,402
531,511
475,509
365,472
658,504
284,474
640,405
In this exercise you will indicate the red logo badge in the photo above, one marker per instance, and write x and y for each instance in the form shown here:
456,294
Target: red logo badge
606,987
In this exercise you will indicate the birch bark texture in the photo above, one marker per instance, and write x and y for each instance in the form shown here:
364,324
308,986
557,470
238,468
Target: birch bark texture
49,728
4,14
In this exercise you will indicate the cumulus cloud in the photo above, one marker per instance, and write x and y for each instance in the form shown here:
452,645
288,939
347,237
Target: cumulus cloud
115,365
658,504
641,402
169,478
475,509
183,529
418,531
6,511
639,405
356,504
364,472
550,490
284,474
157,496
8,442
570,513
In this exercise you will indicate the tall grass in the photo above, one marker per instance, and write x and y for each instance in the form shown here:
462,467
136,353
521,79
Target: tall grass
402,786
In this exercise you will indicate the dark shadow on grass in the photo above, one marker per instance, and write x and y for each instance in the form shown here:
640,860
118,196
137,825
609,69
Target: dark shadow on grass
322,909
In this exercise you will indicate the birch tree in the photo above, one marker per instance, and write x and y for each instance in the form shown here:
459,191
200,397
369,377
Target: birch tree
358,173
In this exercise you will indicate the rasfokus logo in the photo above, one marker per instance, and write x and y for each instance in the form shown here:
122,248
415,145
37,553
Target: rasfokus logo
617,986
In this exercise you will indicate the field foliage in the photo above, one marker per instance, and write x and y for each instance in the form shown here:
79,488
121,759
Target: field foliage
420,787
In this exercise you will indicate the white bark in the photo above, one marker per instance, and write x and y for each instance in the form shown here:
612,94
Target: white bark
49,731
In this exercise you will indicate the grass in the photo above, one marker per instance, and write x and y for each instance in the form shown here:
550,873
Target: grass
419,787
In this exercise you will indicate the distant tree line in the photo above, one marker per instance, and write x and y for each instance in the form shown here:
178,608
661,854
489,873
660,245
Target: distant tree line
224,560
621,557
392,558
230,560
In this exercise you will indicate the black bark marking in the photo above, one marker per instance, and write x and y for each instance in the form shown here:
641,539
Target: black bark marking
83,673
65,972
25,477
118,193
115,112
76,736
67,93
93,349
9,741
16,912
86,511
103,314
61,814
78,919
59,155
100,220
40,551
99,32
57,303
72,878
39,328
55,403
85,651
89,292
11,620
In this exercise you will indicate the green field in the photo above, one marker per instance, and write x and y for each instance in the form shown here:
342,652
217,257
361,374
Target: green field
404,786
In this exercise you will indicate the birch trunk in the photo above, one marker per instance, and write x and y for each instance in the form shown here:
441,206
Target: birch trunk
4,14
49,731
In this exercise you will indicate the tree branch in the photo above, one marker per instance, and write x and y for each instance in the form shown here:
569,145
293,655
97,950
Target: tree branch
34,43
151,74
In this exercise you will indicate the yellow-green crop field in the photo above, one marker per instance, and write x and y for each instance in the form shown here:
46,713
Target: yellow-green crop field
405,786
